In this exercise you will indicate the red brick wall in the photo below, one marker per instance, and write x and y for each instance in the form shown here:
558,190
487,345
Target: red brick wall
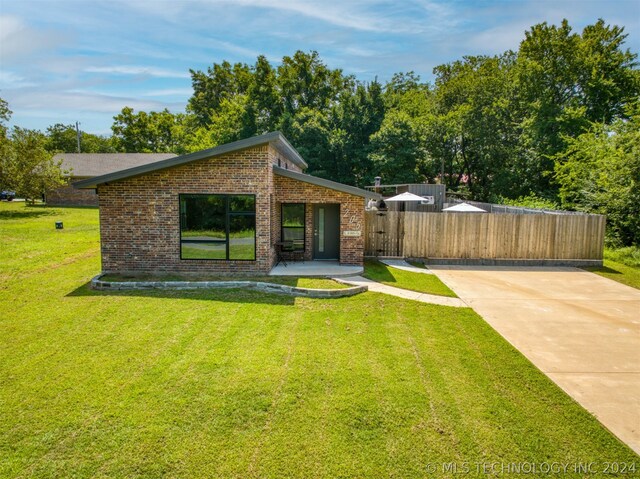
139,217
288,190
280,160
70,196
140,223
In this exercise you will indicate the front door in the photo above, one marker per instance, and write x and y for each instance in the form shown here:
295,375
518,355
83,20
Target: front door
326,231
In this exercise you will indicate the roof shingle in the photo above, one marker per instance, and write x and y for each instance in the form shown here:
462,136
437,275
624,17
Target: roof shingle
88,165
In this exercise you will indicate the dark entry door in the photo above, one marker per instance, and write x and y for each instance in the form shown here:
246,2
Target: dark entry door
326,231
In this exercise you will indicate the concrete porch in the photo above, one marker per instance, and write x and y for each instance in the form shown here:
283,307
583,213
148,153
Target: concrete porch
315,269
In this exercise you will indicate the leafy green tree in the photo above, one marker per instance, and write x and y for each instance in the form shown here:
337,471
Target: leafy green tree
5,145
226,125
220,82
470,134
264,104
5,116
404,82
357,116
27,167
600,173
308,129
63,138
566,81
154,132
304,81
607,78
398,150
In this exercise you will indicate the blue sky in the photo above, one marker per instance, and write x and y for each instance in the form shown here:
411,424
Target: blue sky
63,61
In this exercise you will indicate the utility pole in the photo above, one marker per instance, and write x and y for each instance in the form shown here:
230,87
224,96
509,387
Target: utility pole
78,135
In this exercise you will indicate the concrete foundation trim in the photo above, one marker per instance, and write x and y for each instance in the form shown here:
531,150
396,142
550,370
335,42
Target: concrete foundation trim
576,263
98,284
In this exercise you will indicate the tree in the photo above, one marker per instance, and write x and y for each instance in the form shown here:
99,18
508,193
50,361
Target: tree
220,82
5,145
402,83
27,167
153,132
566,81
470,131
357,116
264,104
607,77
600,173
63,138
398,151
5,116
309,130
226,125
304,81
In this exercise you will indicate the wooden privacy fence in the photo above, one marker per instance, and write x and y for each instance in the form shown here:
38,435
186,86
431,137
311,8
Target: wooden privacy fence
484,236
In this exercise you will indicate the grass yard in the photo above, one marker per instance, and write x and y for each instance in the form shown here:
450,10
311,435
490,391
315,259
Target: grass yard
240,384
622,265
422,283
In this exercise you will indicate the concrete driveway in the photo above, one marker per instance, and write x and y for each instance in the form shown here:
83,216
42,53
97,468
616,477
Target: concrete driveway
580,329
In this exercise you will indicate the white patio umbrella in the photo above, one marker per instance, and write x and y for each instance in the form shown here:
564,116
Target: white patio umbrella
405,197
463,208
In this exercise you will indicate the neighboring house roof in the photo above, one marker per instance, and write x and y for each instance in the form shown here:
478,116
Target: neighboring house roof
82,165
314,180
276,139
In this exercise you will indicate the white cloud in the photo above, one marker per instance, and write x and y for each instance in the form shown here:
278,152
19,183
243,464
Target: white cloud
334,13
169,92
10,79
17,39
356,15
64,101
137,70
230,47
498,39
360,51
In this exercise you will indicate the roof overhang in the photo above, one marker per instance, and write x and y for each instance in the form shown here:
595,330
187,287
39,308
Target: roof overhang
276,139
314,180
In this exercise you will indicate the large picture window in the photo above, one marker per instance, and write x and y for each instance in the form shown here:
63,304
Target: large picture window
293,224
218,227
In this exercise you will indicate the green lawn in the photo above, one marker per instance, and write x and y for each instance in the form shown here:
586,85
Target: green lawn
422,283
622,265
240,384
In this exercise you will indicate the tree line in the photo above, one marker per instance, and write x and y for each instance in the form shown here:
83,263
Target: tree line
554,123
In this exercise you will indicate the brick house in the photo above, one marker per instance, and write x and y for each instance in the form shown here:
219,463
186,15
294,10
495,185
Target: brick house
226,210
83,166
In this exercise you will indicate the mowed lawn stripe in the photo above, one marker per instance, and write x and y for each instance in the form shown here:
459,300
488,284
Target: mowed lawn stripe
30,242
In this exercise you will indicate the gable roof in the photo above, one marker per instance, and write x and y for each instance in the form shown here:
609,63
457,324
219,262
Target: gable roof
97,164
314,180
275,139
